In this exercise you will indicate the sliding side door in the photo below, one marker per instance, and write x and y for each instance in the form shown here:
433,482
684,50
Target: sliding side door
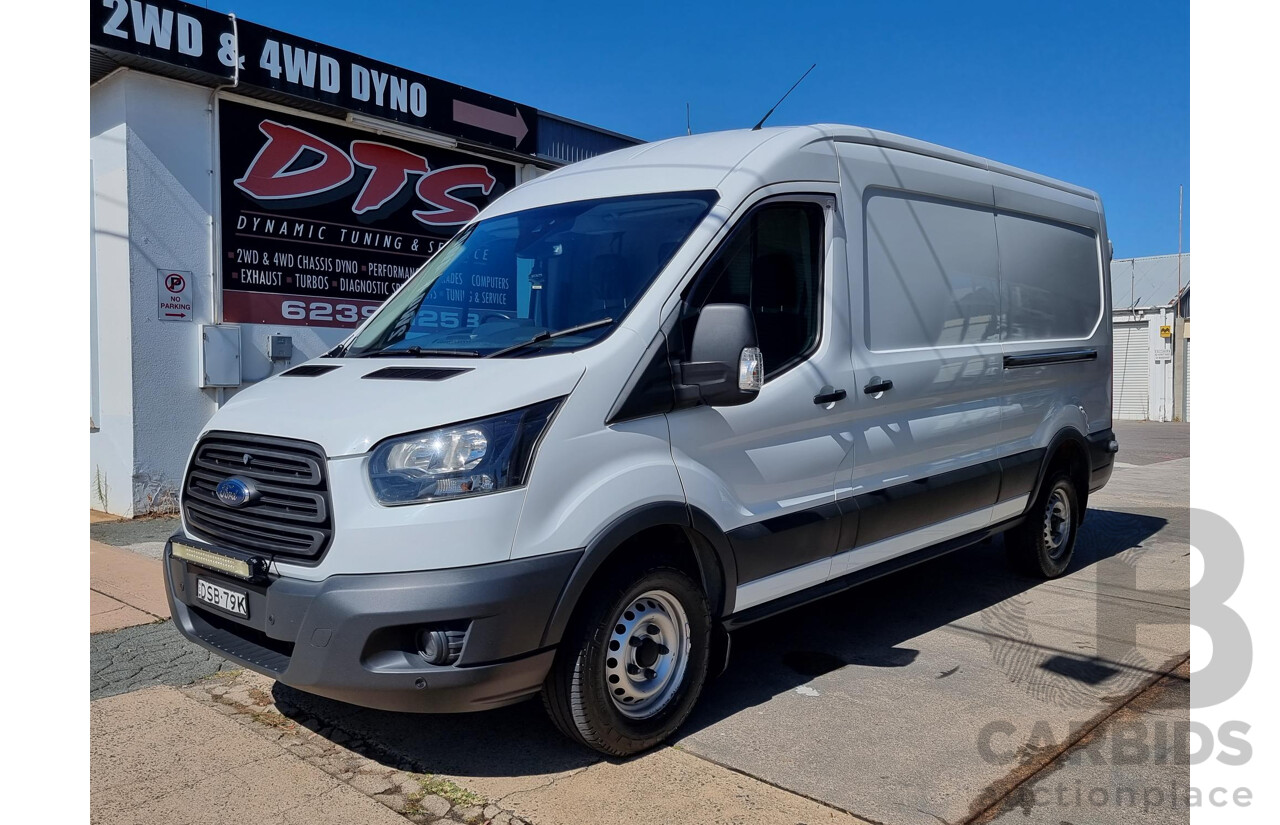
924,295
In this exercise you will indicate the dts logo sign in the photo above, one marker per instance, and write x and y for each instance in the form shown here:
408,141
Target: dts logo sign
297,167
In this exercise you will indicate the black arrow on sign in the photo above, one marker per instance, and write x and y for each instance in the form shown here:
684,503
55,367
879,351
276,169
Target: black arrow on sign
510,125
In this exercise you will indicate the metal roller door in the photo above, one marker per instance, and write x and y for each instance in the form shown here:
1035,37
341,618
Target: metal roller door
1130,371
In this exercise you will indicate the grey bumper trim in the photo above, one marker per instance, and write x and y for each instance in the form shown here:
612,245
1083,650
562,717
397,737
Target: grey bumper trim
353,637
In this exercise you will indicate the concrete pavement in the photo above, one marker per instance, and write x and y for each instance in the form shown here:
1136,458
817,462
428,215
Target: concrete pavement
665,785
158,758
1130,768
125,589
220,750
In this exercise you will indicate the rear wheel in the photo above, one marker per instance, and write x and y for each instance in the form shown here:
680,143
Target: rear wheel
1045,542
633,662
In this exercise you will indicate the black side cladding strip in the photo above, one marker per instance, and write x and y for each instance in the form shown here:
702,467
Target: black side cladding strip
911,505
884,568
782,542
1040,359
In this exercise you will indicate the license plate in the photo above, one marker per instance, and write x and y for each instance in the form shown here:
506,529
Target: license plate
232,601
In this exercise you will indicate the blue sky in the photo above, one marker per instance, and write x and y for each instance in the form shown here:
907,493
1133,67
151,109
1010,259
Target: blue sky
1093,93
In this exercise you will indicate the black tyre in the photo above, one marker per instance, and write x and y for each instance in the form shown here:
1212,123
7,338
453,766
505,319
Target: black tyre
633,661
1045,542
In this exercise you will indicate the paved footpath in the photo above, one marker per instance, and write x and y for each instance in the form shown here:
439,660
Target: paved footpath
122,589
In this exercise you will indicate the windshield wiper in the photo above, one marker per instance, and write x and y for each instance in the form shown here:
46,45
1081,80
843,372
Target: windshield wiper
338,351
419,352
548,336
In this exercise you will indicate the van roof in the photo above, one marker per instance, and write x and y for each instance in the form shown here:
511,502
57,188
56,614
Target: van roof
735,159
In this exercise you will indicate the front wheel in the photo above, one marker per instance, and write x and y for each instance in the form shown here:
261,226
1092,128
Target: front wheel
633,662
1044,543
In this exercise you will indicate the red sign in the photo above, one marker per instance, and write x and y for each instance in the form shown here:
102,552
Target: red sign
274,308
322,222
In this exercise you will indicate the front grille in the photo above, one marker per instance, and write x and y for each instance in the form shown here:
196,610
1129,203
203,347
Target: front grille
292,516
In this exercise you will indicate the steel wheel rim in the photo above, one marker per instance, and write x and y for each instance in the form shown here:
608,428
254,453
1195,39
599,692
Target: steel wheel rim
1057,522
647,654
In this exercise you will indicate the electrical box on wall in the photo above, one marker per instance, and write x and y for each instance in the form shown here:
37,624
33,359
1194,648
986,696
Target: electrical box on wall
219,355
280,347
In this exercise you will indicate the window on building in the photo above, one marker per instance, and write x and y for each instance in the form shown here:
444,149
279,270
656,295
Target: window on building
773,264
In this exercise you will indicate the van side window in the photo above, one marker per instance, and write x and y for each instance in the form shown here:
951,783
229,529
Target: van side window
1050,279
932,275
773,264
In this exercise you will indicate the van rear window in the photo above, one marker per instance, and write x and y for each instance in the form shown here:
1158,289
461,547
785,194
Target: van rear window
1049,279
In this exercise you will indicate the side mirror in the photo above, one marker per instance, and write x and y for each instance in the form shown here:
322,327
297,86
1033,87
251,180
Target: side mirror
725,367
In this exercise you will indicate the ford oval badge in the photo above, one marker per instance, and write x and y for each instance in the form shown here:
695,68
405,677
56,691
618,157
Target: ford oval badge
236,491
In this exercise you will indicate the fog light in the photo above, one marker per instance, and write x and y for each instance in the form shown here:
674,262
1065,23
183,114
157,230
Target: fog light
440,647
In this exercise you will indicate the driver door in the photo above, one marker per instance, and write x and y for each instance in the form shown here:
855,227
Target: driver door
765,471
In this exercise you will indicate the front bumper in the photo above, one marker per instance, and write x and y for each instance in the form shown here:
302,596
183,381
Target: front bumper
354,637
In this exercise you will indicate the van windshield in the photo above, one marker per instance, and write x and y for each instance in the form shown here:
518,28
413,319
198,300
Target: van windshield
529,276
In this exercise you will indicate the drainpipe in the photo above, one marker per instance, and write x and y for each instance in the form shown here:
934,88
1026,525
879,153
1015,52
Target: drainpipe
215,196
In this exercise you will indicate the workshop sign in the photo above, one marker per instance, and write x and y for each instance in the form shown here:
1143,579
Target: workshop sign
212,44
321,223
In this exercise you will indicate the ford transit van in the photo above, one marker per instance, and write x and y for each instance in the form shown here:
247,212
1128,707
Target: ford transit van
744,370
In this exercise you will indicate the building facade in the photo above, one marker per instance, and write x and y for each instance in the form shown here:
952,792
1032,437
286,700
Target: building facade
1151,325
254,196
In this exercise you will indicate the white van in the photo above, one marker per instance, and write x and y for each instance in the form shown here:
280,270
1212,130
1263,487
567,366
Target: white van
746,370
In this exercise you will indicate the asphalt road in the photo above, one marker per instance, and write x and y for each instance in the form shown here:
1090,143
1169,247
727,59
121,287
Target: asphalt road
954,691
144,656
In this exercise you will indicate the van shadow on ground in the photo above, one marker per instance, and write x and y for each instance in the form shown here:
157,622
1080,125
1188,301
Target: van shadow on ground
863,627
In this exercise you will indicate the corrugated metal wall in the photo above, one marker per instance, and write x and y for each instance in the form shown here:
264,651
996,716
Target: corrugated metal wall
568,142
1147,282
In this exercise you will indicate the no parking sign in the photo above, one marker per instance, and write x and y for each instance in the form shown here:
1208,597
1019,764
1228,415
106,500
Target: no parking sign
174,291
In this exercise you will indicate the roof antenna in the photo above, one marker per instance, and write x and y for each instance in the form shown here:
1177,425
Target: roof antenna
688,119
784,97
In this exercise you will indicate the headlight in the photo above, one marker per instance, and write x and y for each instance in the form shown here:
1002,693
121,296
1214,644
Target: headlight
465,459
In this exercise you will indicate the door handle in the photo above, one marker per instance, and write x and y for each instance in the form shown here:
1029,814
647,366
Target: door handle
877,384
830,397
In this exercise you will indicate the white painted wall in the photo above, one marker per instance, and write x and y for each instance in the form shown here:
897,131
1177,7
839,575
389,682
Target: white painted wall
111,443
171,203
150,143
1161,379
